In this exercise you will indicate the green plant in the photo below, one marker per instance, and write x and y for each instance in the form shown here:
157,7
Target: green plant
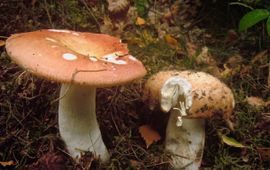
253,17
260,10
141,6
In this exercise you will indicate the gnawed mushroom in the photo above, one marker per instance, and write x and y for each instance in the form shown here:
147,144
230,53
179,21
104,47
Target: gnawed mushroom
81,62
190,97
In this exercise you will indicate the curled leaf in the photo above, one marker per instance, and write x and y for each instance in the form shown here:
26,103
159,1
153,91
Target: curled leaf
256,101
2,43
149,135
8,163
171,41
264,153
140,21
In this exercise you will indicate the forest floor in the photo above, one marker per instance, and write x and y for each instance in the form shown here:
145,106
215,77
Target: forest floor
163,40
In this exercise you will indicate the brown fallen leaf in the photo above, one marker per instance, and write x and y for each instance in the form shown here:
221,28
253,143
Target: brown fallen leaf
2,43
205,57
234,60
169,14
149,135
230,71
214,70
140,21
134,163
191,49
261,57
118,9
231,36
171,41
8,163
53,161
264,153
256,101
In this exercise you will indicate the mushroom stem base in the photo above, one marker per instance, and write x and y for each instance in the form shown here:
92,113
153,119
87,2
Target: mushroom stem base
185,143
78,124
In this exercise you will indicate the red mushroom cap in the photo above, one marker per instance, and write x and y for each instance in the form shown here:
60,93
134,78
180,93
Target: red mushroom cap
65,56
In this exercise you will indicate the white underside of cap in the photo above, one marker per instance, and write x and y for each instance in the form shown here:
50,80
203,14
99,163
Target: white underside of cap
172,89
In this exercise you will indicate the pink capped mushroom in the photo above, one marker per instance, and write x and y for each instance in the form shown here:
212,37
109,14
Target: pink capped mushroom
82,62
190,97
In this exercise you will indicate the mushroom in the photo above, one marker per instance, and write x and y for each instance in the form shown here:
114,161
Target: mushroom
81,62
190,97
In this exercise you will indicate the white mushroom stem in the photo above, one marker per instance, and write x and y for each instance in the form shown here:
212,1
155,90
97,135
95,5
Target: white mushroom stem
184,137
185,143
78,123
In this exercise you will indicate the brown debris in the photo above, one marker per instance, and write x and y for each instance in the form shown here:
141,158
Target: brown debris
50,161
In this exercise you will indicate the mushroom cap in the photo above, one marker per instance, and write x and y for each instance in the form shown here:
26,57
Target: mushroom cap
209,95
65,56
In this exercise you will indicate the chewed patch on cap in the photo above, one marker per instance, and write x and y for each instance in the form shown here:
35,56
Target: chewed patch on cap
112,58
93,58
69,56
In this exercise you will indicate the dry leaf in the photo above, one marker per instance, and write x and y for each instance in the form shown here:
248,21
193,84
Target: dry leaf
214,70
191,49
146,39
2,43
245,155
171,41
205,57
261,57
8,163
264,153
134,163
133,115
256,101
234,60
33,2
149,135
231,36
140,21
230,71
118,9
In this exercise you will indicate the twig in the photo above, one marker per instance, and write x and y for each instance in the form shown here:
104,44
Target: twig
5,37
91,13
48,13
72,80
161,163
